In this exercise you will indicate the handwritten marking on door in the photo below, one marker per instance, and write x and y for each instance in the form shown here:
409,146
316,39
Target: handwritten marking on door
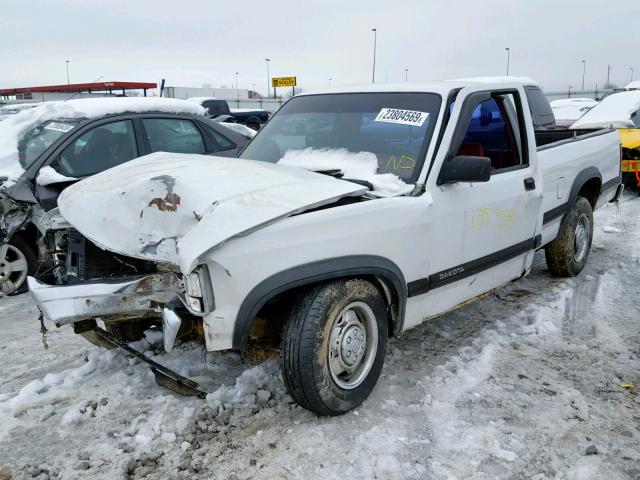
492,217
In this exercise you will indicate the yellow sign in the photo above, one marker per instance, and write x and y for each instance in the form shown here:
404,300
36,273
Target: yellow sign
283,82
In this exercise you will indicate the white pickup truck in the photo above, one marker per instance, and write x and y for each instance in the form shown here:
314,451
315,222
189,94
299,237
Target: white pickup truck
353,215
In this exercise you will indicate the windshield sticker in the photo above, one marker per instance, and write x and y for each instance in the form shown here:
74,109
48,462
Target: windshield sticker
404,117
59,127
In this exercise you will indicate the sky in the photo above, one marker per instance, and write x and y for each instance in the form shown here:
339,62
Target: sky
191,43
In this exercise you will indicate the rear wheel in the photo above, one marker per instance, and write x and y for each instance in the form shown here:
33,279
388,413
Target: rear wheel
568,254
253,126
333,346
17,261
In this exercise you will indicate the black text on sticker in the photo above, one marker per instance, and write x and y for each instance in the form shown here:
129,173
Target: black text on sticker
404,117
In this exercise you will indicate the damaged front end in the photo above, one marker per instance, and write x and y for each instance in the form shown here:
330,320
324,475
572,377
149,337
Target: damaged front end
13,216
104,299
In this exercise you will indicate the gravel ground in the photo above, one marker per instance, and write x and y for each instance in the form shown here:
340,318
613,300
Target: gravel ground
538,380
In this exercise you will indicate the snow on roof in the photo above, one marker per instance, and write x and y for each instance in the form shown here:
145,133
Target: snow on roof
614,111
443,87
500,79
633,85
12,129
571,108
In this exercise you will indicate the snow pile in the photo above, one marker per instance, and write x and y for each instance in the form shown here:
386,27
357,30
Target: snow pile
635,85
48,176
12,129
360,166
241,129
571,109
614,111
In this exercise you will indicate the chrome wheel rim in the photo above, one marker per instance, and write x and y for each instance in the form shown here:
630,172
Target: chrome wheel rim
353,345
13,269
581,239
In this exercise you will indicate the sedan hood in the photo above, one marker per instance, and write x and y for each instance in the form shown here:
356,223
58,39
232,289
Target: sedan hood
175,207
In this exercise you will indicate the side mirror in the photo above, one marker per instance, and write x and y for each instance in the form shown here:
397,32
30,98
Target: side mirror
463,168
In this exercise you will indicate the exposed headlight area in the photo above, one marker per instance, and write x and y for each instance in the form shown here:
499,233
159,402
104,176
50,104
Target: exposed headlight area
198,291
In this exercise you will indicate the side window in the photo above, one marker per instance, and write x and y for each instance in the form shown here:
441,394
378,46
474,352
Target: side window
173,135
222,142
493,132
98,149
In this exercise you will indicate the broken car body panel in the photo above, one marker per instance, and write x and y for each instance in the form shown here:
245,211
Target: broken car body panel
174,208
62,305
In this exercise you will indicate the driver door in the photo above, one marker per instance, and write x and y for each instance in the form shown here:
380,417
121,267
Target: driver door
484,233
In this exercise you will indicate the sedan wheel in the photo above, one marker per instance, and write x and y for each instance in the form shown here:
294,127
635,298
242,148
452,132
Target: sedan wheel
13,269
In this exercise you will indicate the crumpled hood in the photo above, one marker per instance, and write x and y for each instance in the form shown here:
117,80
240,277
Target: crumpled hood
175,207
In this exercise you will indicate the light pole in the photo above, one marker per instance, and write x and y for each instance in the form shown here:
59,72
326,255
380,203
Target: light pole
375,40
67,62
267,60
569,94
608,85
631,68
584,69
508,58
236,81
330,82
406,74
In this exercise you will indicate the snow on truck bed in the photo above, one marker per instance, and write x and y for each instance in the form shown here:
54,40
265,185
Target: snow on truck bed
12,129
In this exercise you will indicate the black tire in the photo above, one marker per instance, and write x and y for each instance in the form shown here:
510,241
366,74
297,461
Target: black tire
253,126
32,261
305,345
562,254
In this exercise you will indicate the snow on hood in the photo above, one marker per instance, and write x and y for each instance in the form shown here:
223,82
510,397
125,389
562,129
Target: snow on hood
571,108
614,111
360,166
12,129
633,85
175,207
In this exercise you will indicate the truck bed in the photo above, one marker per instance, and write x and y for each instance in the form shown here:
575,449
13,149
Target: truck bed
546,138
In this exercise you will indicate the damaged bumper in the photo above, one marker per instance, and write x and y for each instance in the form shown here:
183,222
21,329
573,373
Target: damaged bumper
132,297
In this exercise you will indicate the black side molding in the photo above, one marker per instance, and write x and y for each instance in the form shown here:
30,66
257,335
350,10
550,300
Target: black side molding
450,275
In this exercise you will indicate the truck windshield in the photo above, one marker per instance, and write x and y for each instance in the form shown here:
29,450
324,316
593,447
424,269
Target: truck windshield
395,127
38,139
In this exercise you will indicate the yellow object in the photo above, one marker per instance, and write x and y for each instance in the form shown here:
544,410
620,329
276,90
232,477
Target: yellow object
627,385
283,82
630,138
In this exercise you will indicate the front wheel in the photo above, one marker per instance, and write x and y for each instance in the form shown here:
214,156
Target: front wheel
333,345
17,260
568,254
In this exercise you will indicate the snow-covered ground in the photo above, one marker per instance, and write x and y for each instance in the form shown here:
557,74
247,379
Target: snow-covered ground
539,380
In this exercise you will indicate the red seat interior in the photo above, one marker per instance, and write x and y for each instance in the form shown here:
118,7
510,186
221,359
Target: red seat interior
471,149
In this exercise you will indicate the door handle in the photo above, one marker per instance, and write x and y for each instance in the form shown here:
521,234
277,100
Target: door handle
529,184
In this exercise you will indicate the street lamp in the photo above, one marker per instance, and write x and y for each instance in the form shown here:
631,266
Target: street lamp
236,81
569,94
267,60
375,39
508,58
631,68
608,85
406,74
67,62
584,69
330,82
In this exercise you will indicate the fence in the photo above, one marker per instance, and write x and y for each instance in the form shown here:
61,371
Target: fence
268,104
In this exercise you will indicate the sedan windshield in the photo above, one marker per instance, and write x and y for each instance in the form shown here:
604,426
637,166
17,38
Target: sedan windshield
38,139
392,130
